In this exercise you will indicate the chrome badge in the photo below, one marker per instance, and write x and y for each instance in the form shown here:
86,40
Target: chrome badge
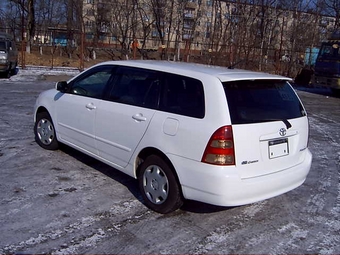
282,131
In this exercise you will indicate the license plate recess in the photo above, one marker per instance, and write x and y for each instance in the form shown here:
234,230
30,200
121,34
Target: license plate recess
278,148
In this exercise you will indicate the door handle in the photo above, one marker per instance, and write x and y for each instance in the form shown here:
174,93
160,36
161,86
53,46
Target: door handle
139,117
91,106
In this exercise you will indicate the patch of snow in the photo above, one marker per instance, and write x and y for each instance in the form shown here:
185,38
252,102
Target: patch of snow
124,208
287,227
81,224
33,73
316,203
88,242
253,209
35,240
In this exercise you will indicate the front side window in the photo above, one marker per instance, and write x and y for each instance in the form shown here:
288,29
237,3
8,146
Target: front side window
252,101
92,83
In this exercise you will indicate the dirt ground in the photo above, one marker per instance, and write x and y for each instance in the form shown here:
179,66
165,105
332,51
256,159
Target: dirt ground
61,57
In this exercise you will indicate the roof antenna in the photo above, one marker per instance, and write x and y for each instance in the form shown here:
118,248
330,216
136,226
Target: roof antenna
235,64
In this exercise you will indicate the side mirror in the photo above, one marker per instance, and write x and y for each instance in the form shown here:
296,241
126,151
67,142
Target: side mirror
61,86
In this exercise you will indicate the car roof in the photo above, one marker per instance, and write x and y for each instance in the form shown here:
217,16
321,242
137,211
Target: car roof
222,73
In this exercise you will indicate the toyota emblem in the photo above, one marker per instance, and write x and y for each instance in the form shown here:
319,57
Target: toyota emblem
282,131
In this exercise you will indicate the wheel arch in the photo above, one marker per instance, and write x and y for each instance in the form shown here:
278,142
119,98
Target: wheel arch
143,154
40,109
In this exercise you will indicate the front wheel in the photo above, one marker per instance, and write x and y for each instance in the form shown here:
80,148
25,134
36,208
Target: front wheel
44,132
159,186
7,74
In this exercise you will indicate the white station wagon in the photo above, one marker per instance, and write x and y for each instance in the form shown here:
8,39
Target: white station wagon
186,131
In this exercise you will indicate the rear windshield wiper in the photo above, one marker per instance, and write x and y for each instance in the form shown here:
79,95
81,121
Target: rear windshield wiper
288,125
285,121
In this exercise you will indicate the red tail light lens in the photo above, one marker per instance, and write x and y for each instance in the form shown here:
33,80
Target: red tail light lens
220,148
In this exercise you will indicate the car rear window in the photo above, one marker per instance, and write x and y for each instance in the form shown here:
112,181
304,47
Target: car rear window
252,101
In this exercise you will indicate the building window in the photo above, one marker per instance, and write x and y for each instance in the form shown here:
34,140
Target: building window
90,12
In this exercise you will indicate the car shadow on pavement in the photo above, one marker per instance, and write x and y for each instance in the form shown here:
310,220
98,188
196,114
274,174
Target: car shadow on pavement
124,179
132,184
199,207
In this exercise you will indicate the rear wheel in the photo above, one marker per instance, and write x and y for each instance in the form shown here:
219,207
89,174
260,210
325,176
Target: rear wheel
44,132
159,186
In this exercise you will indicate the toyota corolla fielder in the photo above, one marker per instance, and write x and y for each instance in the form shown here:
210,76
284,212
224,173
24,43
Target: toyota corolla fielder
222,136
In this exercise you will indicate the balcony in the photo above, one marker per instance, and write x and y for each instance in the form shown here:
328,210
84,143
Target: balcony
189,15
191,5
187,37
188,25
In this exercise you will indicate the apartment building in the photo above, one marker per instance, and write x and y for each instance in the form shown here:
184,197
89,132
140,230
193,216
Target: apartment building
204,25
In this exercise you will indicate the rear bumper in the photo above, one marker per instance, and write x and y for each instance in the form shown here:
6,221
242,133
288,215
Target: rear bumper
4,67
223,185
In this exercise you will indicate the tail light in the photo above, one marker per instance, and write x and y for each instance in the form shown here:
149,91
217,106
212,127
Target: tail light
220,148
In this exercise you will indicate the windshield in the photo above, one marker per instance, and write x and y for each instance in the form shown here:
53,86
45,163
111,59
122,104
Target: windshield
252,101
329,51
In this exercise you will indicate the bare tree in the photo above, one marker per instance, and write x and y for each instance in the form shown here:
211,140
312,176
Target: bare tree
11,14
28,15
30,24
144,26
332,8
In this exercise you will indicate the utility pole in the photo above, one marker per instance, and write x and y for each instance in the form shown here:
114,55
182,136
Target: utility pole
23,35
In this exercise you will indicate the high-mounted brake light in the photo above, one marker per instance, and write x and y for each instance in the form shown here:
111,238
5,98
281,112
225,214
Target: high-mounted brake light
220,148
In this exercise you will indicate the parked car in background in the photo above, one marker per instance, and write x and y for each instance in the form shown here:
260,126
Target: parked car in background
327,64
8,55
186,131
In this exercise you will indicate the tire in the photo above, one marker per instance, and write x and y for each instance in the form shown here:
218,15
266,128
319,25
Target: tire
336,92
159,186
44,132
8,74
13,70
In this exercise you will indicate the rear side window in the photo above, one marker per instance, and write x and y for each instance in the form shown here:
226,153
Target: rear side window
136,86
183,95
252,101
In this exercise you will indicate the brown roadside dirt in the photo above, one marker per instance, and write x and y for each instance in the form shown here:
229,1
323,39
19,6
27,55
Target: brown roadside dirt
43,56
48,60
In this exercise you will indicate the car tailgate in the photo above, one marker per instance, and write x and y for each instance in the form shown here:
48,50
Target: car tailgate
269,147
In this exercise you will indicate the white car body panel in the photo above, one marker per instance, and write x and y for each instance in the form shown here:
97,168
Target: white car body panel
252,147
75,116
116,133
117,137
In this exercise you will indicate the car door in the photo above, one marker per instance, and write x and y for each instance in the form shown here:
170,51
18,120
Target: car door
124,116
76,110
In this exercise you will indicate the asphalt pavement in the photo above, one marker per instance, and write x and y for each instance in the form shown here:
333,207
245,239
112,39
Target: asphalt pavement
64,202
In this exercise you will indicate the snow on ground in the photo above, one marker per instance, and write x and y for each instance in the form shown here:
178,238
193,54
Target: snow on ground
63,202
32,73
